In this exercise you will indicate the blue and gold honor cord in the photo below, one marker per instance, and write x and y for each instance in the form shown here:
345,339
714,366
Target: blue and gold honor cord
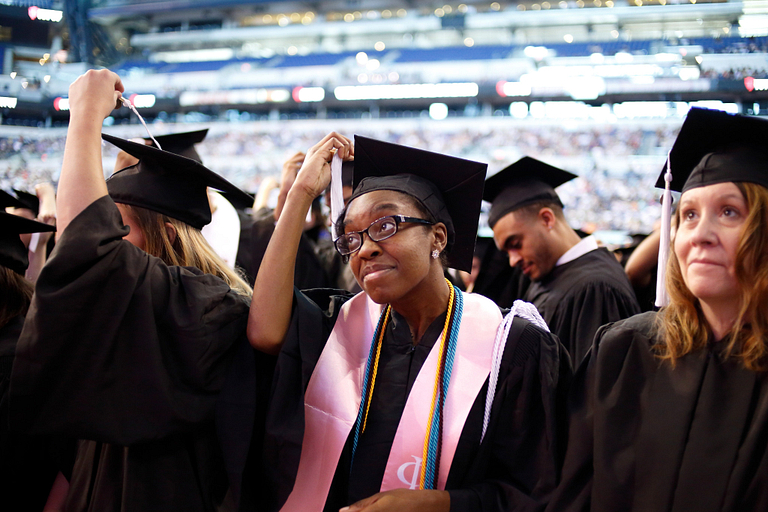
433,437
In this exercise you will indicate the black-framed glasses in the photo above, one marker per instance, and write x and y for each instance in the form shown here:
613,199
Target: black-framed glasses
379,230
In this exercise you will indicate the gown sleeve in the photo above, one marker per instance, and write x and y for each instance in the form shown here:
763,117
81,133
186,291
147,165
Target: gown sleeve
517,464
601,377
314,315
581,314
119,347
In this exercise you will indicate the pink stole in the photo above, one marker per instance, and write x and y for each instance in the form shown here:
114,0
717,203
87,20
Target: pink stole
333,396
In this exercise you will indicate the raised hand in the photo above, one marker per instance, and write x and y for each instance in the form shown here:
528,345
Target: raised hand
403,500
315,173
94,95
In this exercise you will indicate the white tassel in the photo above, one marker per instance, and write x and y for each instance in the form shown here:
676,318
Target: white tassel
337,193
524,310
662,298
133,109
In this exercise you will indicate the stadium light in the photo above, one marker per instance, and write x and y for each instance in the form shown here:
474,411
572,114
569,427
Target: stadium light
36,13
406,91
142,100
438,111
234,97
60,104
8,102
308,94
505,89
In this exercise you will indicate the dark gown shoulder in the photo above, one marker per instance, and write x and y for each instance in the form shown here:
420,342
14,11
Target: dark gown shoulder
644,434
129,355
578,297
28,464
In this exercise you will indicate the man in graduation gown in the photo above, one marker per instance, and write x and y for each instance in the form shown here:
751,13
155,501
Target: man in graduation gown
576,286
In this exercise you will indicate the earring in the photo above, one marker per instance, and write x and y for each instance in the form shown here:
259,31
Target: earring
435,254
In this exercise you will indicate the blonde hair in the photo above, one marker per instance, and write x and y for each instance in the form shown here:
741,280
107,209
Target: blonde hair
15,297
188,249
682,322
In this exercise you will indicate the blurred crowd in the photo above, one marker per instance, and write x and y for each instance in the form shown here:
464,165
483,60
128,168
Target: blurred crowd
616,164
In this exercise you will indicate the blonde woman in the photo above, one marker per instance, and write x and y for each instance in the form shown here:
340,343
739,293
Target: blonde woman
133,326
670,409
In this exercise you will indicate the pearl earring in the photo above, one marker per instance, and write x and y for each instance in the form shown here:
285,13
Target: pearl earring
435,254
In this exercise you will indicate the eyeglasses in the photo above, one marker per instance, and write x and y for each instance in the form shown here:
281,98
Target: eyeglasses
379,230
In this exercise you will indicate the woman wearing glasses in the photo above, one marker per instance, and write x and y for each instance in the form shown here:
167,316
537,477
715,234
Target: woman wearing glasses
393,399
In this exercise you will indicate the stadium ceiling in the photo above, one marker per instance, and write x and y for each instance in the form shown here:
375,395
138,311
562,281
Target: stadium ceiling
490,20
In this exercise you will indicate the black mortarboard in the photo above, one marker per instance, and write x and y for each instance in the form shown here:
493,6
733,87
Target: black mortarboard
181,143
525,182
450,188
348,173
9,200
240,201
166,183
717,147
13,253
31,201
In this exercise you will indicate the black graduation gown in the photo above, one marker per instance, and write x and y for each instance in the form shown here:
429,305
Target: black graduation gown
129,354
311,270
576,298
646,436
28,464
518,460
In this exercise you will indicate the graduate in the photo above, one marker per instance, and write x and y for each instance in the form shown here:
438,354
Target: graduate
669,410
410,395
223,231
319,266
40,206
29,465
133,325
576,286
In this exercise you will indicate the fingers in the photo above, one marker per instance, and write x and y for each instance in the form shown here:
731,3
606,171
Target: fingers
362,504
96,91
331,144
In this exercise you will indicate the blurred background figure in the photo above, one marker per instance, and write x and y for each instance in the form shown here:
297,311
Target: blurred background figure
42,207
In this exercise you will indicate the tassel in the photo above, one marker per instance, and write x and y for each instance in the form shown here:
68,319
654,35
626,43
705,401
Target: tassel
337,193
662,297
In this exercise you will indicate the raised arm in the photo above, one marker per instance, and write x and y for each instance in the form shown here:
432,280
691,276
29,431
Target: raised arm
47,215
273,290
639,267
92,98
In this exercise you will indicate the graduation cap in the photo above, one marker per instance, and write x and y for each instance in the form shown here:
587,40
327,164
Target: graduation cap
717,147
167,183
10,200
450,188
13,253
181,143
30,201
525,182
348,173
712,147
